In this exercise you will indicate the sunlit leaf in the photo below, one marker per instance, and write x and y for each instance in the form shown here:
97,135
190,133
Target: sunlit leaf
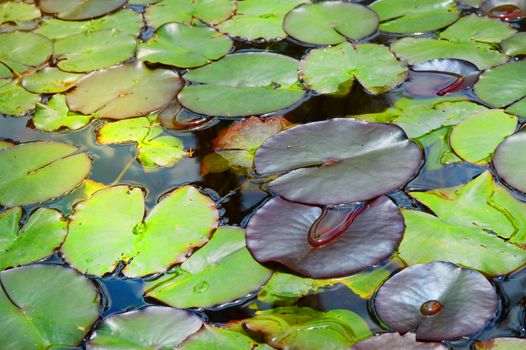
56,115
189,11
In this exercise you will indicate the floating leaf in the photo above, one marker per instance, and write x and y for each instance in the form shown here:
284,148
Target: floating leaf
56,115
259,19
508,161
475,138
414,16
184,46
279,231
125,91
501,344
396,341
50,80
43,232
79,9
511,94
38,171
14,99
200,280
479,225
477,29
21,51
18,16
189,11
153,150
332,70
307,329
338,161
153,327
331,22
508,10
243,84
215,338
44,306
440,300
108,228
515,45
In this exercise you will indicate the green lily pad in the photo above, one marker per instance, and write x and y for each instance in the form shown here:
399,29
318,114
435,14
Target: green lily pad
215,338
333,70
307,329
89,51
126,21
38,171
20,51
501,344
56,115
259,19
414,16
44,306
478,29
200,281
50,81
153,150
511,92
108,228
331,22
189,11
515,45
153,327
184,46
459,231
243,84
14,99
475,138
79,9
18,16
125,91
41,234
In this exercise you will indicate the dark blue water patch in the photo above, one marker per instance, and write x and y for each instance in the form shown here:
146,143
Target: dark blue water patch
121,294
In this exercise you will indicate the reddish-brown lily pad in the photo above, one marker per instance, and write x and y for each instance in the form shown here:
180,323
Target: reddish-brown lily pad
395,341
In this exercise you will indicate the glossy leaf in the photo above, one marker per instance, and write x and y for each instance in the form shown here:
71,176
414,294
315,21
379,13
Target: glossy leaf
338,161
21,51
14,99
332,70
79,9
466,301
200,280
501,344
471,226
43,232
44,306
50,80
328,23
37,171
243,84
18,16
153,327
108,228
515,45
477,29
414,16
56,115
189,11
508,161
124,91
279,232
506,10
396,341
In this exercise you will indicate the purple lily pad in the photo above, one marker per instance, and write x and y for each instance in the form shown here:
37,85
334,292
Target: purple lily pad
338,161
439,300
325,243
508,10
442,76
395,341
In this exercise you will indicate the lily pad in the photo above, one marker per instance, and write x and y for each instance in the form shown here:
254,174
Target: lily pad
153,150
307,329
189,11
215,338
414,16
41,234
507,10
59,314
333,70
200,280
243,84
338,161
279,232
38,171
508,161
511,93
396,341
475,138
153,327
440,300
330,22
125,91
56,115
20,51
479,225
184,46
14,99
79,9
501,344
18,16
50,81
515,45
108,228
259,19
89,51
